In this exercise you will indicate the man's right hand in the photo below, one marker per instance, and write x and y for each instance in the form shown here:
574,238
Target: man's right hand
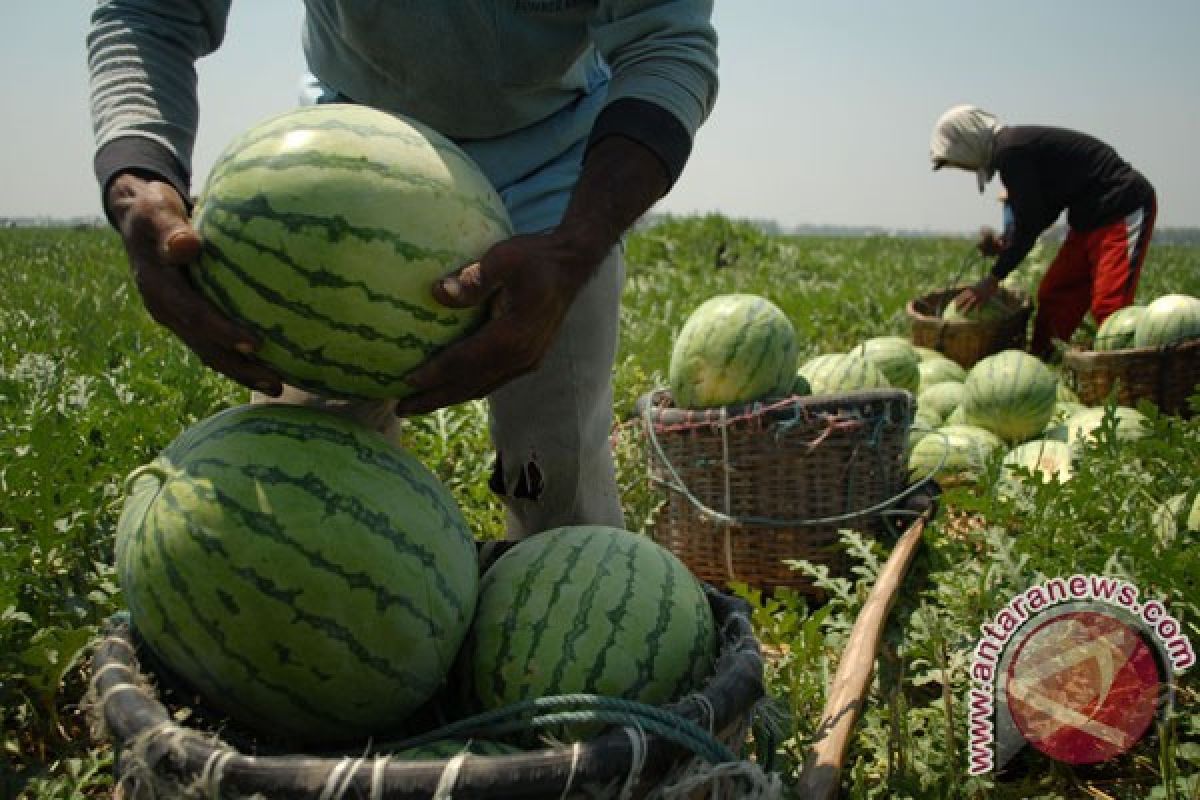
160,243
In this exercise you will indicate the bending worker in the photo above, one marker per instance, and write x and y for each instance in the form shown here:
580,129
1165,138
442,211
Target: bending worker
581,114
1045,170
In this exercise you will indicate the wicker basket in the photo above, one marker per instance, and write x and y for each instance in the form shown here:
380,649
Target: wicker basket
1166,376
750,486
968,341
157,756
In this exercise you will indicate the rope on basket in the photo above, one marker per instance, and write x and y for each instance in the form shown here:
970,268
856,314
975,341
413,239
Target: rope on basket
722,421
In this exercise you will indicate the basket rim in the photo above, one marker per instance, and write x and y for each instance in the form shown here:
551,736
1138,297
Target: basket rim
130,710
651,404
1022,308
1079,355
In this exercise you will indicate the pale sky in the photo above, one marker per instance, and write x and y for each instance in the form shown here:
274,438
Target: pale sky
823,117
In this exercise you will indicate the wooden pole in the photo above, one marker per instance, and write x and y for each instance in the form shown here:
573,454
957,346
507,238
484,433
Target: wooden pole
848,690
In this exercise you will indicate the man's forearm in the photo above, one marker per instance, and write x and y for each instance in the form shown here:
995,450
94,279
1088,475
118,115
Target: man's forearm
621,180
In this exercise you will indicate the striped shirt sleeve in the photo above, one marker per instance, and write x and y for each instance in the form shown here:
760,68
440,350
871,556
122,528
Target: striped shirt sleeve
663,57
141,64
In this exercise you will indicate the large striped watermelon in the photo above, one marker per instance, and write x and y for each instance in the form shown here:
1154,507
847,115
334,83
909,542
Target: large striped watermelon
1118,329
1085,426
838,373
895,357
1170,319
733,348
588,609
1011,393
933,371
954,454
941,398
324,229
304,574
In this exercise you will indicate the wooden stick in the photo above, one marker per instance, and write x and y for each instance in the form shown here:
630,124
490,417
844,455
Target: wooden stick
848,691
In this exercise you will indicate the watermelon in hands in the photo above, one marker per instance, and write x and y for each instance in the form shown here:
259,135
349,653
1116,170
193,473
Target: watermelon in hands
324,230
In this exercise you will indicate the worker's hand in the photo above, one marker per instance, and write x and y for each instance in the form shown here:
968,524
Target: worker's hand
160,243
528,282
976,296
990,243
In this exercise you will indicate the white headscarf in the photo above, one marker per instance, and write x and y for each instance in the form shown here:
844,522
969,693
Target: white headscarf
966,135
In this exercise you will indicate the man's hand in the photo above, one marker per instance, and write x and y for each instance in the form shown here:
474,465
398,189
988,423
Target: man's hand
160,243
531,280
990,243
529,283
976,296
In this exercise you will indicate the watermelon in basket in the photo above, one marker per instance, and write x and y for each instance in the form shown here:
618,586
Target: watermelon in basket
968,340
300,589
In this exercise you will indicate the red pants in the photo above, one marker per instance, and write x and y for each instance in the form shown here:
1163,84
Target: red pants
1094,270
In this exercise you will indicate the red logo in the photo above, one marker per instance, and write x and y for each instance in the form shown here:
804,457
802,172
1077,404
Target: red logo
1083,687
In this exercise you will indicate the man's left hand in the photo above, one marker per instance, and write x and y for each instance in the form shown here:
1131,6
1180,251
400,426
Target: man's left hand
528,282
978,295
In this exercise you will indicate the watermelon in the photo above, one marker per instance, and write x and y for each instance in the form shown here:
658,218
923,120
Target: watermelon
1011,393
941,398
733,348
1083,426
1065,394
995,308
895,357
953,454
926,353
1117,330
837,373
324,229
1046,458
588,609
300,571
1170,319
924,423
933,371
1056,428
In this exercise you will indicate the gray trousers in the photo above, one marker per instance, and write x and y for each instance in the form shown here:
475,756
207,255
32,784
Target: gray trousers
551,427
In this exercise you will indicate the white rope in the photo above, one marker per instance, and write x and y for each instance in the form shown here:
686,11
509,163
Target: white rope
727,523
339,778
445,787
744,777
575,750
378,770
637,759
214,772
124,686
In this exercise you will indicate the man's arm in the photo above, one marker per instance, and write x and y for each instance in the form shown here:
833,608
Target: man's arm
141,64
141,58
1030,217
531,280
663,58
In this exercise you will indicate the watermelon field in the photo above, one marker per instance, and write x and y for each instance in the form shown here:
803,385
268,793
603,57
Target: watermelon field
91,388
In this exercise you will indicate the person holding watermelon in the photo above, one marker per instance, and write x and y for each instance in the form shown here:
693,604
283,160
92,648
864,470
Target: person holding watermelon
1110,206
580,112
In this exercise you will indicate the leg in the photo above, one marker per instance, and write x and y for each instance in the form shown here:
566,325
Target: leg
1118,251
551,428
1063,296
378,415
